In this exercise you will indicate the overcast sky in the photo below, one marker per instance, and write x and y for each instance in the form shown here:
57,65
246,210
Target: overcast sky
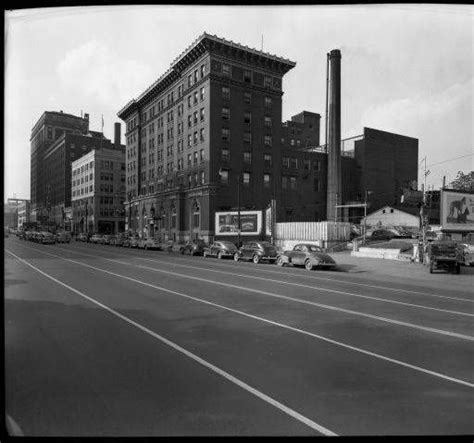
407,69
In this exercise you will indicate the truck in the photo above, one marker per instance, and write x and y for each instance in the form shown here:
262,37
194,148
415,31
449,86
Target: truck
443,255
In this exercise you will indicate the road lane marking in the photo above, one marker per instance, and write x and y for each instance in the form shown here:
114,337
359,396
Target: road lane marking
281,325
309,276
291,412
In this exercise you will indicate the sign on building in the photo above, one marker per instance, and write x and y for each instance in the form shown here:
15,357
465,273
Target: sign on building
250,223
457,211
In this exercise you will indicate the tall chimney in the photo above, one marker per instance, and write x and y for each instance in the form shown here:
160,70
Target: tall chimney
334,182
117,135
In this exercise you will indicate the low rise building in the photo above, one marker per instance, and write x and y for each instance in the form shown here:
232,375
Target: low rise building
98,192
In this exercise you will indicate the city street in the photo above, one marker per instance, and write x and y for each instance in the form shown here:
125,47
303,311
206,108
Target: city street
109,341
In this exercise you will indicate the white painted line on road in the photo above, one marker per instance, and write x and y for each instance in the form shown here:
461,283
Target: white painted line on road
298,300
292,413
281,325
306,275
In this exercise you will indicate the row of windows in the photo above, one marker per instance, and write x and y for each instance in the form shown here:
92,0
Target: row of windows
247,118
247,96
292,162
82,191
83,168
267,139
246,75
83,180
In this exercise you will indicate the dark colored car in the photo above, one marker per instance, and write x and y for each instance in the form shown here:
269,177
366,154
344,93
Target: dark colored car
133,241
444,255
82,237
307,255
193,248
45,237
257,251
119,239
220,249
63,237
382,234
106,239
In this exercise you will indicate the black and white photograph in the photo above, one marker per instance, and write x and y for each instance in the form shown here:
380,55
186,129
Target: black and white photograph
238,221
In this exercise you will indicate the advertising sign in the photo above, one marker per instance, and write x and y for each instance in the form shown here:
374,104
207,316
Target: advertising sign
457,211
227,223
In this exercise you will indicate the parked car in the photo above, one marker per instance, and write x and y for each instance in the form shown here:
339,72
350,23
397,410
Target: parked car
106,239
195,247
119,239
220,249
307,255
444,255
96,238
148,243
382,234
467,251
257,251
63,237
45,237
81,237
133,241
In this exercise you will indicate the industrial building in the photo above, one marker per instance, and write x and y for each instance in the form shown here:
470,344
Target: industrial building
207,137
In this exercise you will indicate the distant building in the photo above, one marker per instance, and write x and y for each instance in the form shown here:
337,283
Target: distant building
23,213
389,216
10,215
58,140
98,192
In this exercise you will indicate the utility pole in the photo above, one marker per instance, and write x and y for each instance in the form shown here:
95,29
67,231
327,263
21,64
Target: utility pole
423,213
238,210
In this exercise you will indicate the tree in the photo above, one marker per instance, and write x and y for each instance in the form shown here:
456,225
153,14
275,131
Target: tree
463,182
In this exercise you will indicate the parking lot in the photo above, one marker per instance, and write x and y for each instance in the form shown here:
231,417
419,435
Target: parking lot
155,343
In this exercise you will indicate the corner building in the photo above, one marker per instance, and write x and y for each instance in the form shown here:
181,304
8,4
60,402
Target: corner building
205,130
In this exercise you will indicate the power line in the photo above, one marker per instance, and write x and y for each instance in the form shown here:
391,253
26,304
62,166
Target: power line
450,160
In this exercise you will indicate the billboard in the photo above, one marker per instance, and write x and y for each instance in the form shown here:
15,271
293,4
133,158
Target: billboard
457,211
227,223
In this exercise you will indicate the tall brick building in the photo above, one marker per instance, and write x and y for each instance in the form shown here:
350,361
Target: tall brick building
214,120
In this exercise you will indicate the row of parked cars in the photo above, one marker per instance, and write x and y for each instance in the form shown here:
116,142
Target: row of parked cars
45,237
121,239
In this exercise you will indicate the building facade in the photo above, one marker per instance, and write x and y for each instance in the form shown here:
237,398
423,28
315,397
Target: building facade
208,137
98,192
48,129
204,138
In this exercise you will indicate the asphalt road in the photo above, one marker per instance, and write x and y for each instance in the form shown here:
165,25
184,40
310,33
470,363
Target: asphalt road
107,341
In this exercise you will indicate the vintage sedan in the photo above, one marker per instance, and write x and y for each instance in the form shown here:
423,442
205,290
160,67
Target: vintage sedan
96,238
220,249
119,239
193,248
148,243
307,255
45,237
63,237
133,241
467,251
257,251
82,236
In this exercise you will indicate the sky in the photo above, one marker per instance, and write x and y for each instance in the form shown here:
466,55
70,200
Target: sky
406,69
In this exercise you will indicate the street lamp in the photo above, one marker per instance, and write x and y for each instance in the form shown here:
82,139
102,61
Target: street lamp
238,209
87,228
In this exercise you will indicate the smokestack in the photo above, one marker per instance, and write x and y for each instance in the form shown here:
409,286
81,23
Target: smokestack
117,135
334,182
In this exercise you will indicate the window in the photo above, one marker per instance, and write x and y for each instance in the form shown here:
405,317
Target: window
247,137
247,158
202,93
316,185
247,98
286,162
195,138
247,118
189,80
225,134
247,76
189,140
225,93
267,158
267,121
267,81
195,75
225,113
202,177
246,178
195,97
284,182
189,159
201,155
268,102
195,117
224,174
266,180
195,158
189,101
226,70
196,217
293,182
225,154
202,114
267,140
294,163
317,165
203,70
292,142
190,121
201,134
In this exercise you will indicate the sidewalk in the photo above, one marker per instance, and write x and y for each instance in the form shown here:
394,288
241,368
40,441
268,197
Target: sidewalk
395,270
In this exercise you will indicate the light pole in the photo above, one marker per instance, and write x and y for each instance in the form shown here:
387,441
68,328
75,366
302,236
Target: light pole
238,210
87,227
